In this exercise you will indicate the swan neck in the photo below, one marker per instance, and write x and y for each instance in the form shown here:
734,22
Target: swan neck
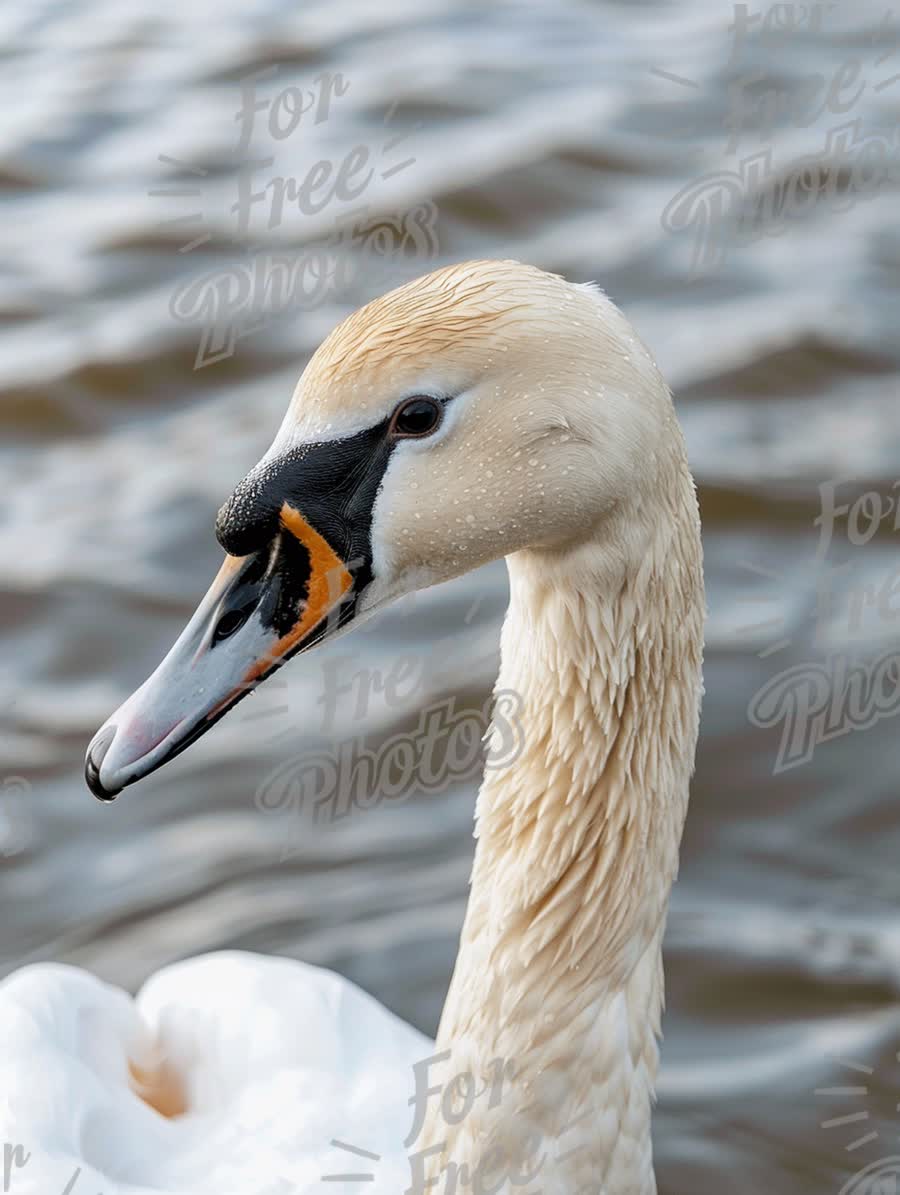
559,975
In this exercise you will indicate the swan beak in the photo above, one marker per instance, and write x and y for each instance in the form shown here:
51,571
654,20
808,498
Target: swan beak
260,610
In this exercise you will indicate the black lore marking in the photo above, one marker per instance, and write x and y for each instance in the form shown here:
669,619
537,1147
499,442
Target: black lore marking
333,484
288,589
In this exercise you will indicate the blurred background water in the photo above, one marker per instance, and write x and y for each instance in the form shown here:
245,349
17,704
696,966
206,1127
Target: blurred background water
607,141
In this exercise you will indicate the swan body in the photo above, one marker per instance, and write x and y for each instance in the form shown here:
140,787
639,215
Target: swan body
487,409
274,1059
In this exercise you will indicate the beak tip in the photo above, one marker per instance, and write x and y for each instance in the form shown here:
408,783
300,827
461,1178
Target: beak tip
95,755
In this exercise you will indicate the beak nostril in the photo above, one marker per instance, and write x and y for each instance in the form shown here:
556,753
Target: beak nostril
95,755
230,623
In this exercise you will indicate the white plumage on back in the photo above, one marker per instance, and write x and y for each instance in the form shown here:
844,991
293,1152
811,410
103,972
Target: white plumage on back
278,1059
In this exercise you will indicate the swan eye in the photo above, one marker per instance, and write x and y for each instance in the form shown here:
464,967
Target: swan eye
417,417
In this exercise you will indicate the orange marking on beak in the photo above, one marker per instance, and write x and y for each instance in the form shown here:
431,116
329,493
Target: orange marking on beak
329,580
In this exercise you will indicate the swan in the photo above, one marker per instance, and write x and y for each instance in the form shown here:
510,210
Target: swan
487,409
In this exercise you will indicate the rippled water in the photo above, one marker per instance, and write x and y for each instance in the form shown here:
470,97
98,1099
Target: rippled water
586,138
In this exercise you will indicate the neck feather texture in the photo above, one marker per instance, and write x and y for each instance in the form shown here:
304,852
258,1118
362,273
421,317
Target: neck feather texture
554,1009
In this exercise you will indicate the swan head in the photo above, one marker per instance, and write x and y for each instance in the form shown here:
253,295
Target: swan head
483,410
